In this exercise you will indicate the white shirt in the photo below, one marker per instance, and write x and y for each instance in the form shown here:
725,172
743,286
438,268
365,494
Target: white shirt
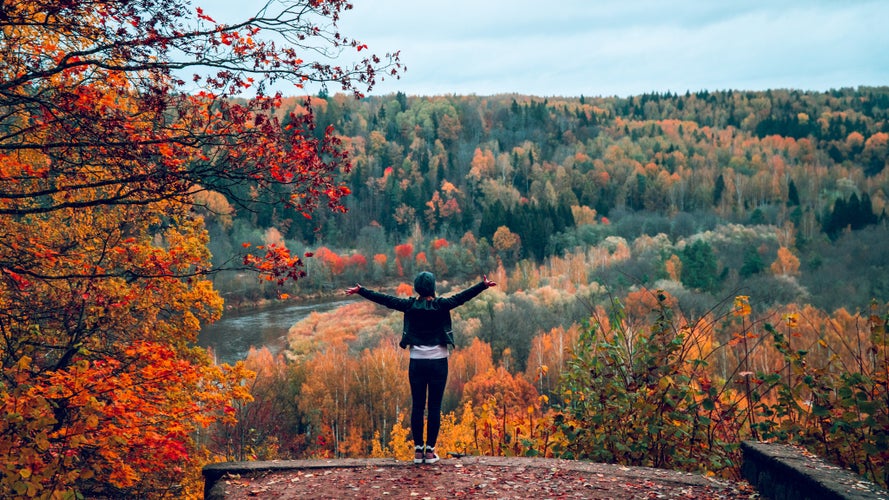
429,351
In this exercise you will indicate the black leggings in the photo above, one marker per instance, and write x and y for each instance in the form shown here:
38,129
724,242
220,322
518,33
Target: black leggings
431,375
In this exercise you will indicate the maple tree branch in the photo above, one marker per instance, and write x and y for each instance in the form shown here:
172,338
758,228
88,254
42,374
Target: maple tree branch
152,48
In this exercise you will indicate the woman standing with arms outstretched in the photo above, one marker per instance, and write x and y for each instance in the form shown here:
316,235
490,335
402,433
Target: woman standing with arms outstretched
427,330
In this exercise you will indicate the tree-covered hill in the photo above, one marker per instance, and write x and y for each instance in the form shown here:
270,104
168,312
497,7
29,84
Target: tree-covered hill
523,178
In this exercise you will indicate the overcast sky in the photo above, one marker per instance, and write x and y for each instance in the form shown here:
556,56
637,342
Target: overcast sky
617,47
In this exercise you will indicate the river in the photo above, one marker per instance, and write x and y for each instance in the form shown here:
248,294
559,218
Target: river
235,333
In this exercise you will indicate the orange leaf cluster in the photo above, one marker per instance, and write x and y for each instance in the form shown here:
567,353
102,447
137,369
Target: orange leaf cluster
404,251
439,243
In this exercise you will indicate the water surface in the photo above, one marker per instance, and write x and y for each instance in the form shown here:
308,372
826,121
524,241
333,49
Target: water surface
235,333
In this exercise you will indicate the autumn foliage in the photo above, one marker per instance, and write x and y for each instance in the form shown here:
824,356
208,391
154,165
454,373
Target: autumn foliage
118,141
104,266
683,394
643,384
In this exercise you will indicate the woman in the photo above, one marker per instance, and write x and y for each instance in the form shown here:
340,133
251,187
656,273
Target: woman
427,330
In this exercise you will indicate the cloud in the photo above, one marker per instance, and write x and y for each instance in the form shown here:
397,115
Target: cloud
605,47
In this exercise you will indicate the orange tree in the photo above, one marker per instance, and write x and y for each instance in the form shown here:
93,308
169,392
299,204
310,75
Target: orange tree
104,144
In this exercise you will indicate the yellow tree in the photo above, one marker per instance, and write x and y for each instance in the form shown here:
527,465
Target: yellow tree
464,365
550,351
482,166
786,264
330,397
507,244
501,400
382,391
673,266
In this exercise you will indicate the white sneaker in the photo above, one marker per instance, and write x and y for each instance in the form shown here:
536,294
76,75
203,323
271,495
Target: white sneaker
430,455
419,456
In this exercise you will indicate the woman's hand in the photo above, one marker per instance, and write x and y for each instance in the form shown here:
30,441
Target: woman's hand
488,283
353,290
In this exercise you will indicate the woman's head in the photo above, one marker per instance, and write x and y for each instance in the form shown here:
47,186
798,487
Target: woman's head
424,284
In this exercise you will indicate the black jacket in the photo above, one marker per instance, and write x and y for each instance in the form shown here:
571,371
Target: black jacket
426,322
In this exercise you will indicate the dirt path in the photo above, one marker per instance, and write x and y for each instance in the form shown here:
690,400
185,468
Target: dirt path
474,477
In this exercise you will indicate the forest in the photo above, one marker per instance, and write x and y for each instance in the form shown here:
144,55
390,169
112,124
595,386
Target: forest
708,267
676,272
725,182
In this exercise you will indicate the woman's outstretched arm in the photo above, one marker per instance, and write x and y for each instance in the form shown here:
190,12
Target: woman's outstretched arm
390,301
468,294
